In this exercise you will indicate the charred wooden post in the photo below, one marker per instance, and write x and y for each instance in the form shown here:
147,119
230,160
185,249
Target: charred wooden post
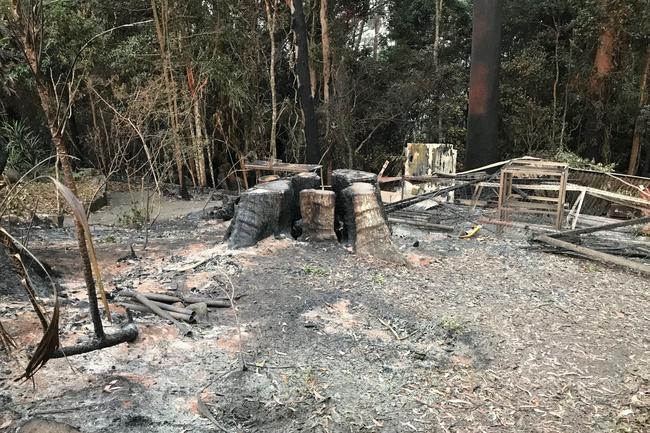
262,211
317,209
365,227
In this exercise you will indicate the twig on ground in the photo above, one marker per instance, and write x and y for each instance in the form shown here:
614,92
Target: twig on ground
231,297
204,410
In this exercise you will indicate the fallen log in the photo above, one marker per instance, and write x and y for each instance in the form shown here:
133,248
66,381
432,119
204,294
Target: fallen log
127,334
162,313
578,232
186,317
595,255
187,299
215,303
317,210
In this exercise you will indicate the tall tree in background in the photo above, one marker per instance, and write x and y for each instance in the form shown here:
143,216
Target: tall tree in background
482,122
271,9
313,151
327,72
640,121
598,129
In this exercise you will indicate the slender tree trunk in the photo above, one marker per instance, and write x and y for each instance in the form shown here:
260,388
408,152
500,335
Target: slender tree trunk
313,73
325,44
555,83
482,122
313,153
271,20
436,50
639,124
200,142
327,71
357,43
375,42
596,123
47,98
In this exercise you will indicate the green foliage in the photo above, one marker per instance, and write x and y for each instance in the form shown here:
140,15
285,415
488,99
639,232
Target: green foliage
136,217
577,161
314,270
24,147
219,56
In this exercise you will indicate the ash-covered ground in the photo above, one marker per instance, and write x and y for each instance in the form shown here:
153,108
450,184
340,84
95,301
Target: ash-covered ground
477,335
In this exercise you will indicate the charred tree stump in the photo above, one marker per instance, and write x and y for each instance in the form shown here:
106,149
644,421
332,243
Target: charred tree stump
300,182
365,227
342,179
317,209
262,211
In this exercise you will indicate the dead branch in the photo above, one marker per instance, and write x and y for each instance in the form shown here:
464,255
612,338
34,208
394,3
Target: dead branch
127,334
595,255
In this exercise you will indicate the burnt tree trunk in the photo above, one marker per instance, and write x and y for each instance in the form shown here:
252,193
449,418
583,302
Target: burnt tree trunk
317,209
300,182
366,229
482,119
342,179
313,153
262,211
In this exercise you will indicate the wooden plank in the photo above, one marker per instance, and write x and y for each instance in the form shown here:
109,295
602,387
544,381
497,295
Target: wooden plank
420,224
580,201
537,187
595,255
611,226
514,203
626,200
544,199
562,196
550,212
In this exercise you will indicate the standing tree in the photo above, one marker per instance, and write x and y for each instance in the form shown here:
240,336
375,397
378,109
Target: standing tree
313,153
639,123
27,26
482,122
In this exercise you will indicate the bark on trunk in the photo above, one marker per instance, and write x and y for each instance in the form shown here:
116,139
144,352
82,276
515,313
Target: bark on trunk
327,73
262,211
317,209
366,229
271,10
342,179
313,151
51,113
482,122
596,137
639,124
300,182
325,44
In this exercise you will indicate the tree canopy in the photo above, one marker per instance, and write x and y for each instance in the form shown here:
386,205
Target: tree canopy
186,86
